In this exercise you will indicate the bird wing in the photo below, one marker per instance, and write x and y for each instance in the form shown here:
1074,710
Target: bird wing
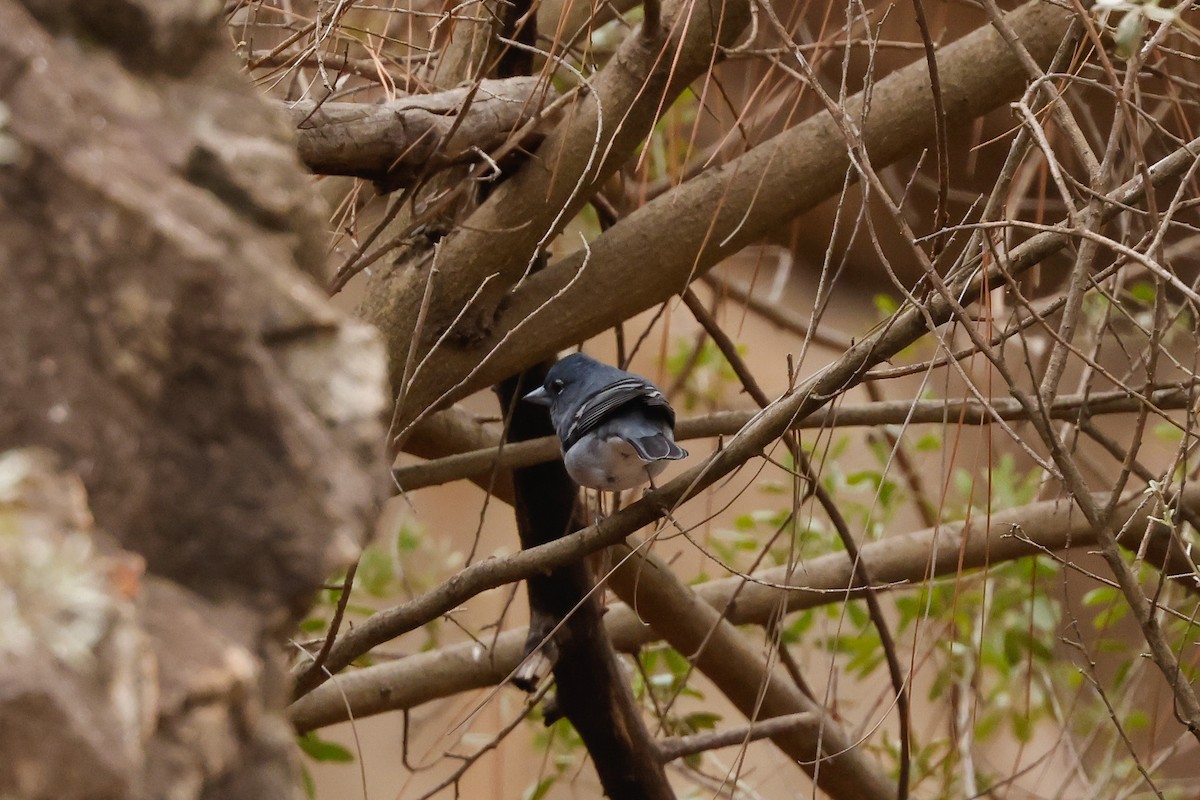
657,447
609,399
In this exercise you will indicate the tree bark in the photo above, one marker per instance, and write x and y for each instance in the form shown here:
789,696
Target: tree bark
685,232
394,143
592,690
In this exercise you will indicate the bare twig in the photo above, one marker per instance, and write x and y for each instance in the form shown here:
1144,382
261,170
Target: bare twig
941,213
817,488
896,562
335,625
726,423
683,746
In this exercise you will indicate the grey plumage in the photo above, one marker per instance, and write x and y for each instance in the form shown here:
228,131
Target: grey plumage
616,428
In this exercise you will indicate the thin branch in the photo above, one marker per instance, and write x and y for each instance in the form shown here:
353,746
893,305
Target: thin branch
776,313
335,625
727,423
897,562
757,688
941,213
861,575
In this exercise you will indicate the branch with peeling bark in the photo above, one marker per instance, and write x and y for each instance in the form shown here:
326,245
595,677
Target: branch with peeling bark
394,142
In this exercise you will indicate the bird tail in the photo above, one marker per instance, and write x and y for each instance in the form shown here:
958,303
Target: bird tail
656,447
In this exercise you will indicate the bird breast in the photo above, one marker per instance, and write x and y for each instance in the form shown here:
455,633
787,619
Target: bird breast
610,464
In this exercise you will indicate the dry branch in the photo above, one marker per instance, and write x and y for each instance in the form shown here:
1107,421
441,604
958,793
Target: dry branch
484,461
688,230
499,242
682,746
398,140
904,328
760,689
895,562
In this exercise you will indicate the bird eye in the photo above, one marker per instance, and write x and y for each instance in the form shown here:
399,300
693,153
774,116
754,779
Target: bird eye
556,386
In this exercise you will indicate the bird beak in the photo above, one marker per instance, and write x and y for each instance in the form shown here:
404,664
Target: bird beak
539,396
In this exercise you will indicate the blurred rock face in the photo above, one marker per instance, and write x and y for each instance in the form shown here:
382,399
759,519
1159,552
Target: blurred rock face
164,345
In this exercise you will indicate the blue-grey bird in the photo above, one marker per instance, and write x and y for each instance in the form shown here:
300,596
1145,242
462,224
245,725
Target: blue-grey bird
616,428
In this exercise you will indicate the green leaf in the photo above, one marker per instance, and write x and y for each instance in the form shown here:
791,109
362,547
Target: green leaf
701,721
1137,720
408,539
540,789
1168,432
1143,292
796,629
1014,646
676,663
306,779
985,725
375,572
323,750
930,442
1101,595
864,476
744,522
858,614
1022,725
885,304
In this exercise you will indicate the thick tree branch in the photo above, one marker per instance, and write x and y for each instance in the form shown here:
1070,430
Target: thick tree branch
688,230
417,135
759,689
896,562
499,242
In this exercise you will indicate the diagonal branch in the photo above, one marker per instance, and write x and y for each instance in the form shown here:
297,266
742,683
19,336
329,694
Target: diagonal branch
511,228
690,229
759,689
896,562
481,462
901,330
